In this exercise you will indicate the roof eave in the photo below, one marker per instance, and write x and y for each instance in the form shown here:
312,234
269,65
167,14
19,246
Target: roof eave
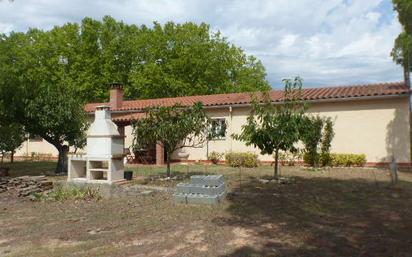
325,100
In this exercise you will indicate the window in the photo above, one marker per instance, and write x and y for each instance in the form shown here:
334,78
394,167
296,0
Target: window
218,130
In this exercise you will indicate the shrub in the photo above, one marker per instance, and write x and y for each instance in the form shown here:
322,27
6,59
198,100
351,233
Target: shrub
317,134
215,157
61,193
347,160
311,136
290,158
308,158
328,134
242,159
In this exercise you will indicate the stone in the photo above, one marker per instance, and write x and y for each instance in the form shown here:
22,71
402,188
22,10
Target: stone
202,190
147,192
213,180
202,199
197,179
26,185
183,188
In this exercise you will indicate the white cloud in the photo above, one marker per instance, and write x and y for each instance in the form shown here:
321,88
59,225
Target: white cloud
6,28
326,42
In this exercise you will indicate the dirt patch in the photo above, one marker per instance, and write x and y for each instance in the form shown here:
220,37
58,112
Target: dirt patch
194,237
58,243
242,237
325,213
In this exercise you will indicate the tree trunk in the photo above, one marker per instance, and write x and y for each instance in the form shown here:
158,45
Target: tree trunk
407,75
276,171
12,157
168,164
62,159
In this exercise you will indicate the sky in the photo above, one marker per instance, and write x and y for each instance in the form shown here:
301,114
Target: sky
326,42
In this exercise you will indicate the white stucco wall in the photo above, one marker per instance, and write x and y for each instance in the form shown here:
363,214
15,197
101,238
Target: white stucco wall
30,146
377,128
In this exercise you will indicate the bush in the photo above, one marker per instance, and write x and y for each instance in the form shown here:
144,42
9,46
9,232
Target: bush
242,159
347,160
61,193
308,159
290,158
311,136
328,134
215,157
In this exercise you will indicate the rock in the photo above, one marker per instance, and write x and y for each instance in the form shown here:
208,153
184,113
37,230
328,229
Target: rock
264,181
146,192
26,185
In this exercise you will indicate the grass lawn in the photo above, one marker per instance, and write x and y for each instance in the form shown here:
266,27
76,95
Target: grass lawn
335,212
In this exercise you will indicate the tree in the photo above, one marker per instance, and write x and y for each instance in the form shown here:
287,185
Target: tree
34,96
151,62
273,127
188,59
404,9
12,136
402,54
46,76
173,127
402,50
57,116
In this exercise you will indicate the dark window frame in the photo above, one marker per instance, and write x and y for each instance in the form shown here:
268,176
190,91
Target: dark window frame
218,130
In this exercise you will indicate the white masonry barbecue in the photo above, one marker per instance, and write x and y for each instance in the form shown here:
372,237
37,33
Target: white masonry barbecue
103,162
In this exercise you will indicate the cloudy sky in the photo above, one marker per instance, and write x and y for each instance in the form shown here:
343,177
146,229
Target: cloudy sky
327,42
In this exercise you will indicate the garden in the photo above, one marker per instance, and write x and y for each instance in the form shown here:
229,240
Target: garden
308,202
330,206
316,212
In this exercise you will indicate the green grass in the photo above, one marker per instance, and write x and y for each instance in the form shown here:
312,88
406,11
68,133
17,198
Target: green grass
21,168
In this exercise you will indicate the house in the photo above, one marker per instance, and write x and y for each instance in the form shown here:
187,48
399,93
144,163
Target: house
372,119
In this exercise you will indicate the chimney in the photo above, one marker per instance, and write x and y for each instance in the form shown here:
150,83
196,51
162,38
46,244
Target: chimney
116,95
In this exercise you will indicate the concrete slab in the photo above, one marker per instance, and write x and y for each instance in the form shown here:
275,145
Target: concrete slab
207,190
202,199
197,179
213,180
202,190
183,188
180,198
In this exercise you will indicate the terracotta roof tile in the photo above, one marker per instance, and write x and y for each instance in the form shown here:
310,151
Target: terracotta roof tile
124,117
310,94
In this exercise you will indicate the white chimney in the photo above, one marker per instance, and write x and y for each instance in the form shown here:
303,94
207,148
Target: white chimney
103,138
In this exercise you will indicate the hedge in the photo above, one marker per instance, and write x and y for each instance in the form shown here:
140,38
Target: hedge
215,157
347,159
242,159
